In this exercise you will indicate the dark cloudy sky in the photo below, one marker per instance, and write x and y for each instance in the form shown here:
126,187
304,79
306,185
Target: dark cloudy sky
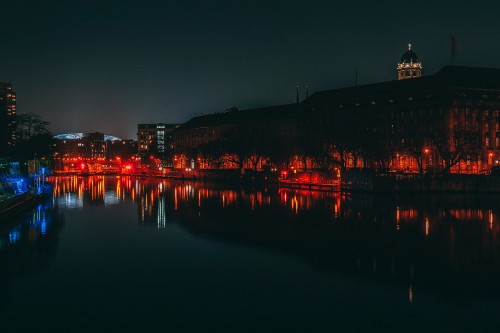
109,65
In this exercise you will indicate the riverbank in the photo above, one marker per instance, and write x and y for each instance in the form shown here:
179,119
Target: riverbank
17,204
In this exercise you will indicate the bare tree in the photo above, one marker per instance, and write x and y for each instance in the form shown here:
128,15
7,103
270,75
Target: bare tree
34,137
30,125
456,145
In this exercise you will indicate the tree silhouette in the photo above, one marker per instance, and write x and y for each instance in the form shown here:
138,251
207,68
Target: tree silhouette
460,144
34,137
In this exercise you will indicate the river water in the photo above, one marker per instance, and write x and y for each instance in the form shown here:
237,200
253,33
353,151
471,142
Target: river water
127,254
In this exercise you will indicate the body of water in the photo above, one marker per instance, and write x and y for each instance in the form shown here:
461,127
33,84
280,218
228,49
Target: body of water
129,254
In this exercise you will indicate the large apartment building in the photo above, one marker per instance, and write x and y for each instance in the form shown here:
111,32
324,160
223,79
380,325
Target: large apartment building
7,118
155,140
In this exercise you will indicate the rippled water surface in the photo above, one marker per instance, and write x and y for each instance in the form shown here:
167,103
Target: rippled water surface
127,254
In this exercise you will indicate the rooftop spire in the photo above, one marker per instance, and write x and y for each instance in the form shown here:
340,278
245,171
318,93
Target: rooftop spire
409,46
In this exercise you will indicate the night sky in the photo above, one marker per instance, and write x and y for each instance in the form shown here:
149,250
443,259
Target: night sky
109,65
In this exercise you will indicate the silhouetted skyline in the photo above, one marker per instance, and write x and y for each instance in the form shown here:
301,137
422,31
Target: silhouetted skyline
106,67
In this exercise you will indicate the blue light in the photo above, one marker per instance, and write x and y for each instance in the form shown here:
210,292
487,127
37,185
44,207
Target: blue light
43,171
14,236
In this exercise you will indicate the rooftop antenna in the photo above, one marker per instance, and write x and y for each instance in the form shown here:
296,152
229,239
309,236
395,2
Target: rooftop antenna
297,99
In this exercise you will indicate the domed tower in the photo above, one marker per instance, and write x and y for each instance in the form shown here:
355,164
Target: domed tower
410,66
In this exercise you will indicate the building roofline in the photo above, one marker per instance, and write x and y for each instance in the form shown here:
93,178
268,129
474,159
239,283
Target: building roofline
454,77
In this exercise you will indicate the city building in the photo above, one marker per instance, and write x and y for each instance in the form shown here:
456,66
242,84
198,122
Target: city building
155,140
409,67
213,141
446,122
121,149
91,152
439,123
7,118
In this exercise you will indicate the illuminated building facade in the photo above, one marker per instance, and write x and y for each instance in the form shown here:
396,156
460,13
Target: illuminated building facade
197,142
155,140
7,118
409,67
91,152
446,122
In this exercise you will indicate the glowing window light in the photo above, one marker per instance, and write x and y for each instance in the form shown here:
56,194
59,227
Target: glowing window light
43,227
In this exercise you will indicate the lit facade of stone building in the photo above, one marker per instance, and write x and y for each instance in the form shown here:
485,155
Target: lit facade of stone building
195,141
446,122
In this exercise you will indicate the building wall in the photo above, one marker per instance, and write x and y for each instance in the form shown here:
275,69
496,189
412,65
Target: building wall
192,142
445,122
123,149
155,140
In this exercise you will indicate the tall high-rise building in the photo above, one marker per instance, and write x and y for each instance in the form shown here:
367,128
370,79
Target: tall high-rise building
7,118
156,140
409,67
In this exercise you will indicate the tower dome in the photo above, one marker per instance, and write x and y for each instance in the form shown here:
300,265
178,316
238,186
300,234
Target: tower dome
409,56
409,66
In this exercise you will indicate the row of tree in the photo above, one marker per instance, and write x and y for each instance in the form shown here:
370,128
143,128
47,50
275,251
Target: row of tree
365,140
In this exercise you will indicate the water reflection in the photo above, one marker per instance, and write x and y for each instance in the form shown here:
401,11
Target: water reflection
158,198
28,244
29,229
415,241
